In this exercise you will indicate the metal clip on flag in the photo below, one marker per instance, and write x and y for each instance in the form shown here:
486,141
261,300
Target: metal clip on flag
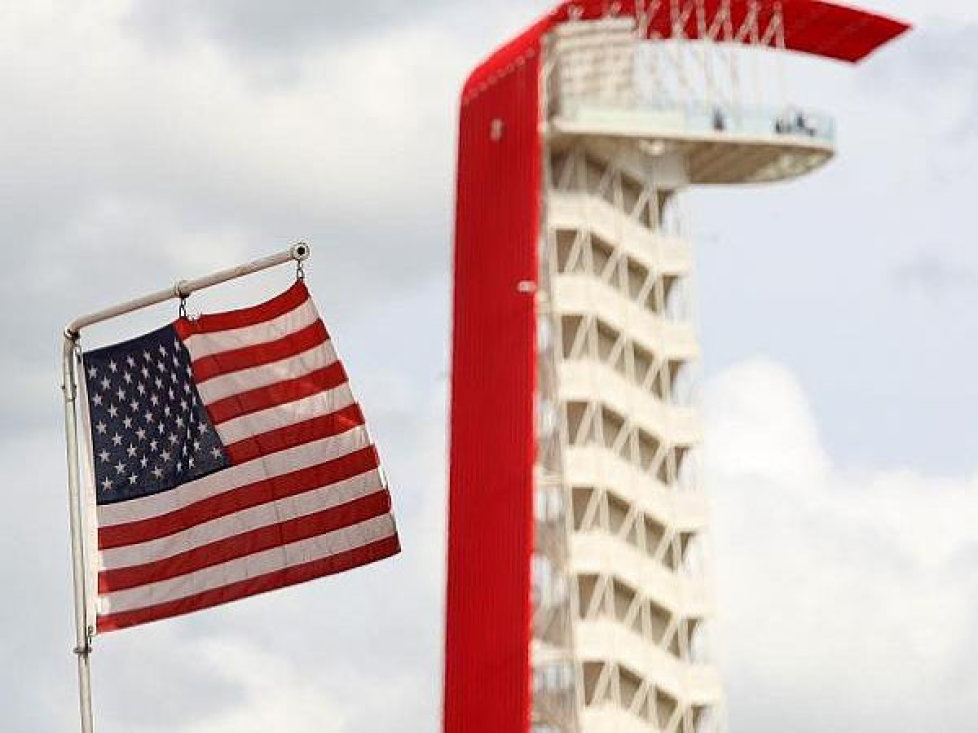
224,456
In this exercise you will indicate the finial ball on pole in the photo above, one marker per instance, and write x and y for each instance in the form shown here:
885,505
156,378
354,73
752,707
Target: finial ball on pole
300,251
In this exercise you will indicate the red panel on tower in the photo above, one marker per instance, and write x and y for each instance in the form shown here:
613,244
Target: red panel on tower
810,26
487,664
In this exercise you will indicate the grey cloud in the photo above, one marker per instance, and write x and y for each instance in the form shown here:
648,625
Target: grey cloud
932,50
934,276
120,180
280,28
937,64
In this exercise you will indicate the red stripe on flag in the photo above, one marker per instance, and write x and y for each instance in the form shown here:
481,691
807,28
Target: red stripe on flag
279,579
247,543
270,309
296,434
238,499
262,398
225,362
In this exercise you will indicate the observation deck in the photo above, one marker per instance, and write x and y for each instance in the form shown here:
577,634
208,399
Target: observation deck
607,82
721,144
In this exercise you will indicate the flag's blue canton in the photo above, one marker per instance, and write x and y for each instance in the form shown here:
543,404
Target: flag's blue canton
150,431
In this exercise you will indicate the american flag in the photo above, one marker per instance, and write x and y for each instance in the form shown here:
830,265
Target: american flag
230,458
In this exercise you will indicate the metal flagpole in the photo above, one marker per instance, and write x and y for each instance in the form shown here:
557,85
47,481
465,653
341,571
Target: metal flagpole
83,630
182,288
84,626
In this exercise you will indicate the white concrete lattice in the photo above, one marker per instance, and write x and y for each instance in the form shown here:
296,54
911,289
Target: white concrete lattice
622,599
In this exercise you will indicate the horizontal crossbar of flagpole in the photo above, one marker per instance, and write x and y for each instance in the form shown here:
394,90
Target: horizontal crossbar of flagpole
182,288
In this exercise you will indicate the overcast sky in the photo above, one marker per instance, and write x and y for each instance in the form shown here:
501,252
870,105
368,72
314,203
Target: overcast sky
141,142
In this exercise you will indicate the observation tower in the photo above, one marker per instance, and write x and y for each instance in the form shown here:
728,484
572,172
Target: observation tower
578,599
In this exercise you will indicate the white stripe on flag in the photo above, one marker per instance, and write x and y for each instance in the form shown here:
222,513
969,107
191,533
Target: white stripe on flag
308,550
246,520
244,380
205,344
290,413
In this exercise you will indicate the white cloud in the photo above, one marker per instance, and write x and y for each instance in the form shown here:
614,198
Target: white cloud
847,599
276,694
